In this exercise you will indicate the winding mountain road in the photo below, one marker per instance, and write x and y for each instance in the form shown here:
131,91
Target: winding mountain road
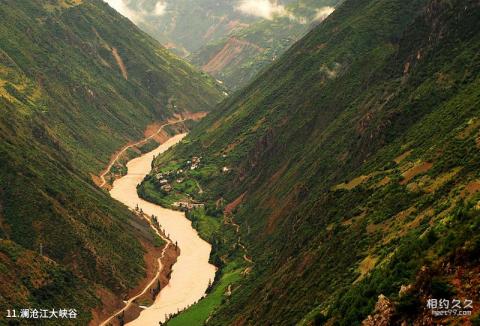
129,302
124,149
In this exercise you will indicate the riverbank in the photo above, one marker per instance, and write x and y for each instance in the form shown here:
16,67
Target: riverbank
158,265
192,273
155,132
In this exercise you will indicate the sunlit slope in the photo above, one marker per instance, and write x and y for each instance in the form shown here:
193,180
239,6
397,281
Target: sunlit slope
87,68
77,82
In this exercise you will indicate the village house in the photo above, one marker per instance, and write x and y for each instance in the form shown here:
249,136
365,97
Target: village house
166,188
195,162
187,205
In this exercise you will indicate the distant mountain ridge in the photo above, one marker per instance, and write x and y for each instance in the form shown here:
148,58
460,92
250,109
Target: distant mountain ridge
232,40
239,57
187,25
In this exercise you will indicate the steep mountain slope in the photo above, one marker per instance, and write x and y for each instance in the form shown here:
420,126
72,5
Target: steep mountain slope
77,82
351,170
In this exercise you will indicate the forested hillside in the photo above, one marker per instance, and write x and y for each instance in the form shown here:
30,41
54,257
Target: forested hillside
77,82
347,173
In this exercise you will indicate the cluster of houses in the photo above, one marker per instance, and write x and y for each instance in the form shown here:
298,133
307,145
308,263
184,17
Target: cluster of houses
194,163
165,179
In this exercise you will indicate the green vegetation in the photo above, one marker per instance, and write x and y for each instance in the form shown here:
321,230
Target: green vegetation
150,192
41,283
209,221
198,313
206,225
352,167
77,82
158,84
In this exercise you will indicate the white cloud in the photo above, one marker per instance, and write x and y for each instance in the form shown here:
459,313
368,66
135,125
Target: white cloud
160,8
322,13
137,15
121,7
262,8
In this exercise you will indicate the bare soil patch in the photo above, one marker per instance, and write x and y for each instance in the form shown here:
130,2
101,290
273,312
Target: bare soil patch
119,61
414,171
231,207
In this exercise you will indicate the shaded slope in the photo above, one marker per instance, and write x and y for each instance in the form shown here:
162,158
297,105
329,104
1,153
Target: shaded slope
356,152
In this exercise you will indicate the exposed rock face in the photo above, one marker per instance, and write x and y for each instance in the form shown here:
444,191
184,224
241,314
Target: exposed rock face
405,289
382,314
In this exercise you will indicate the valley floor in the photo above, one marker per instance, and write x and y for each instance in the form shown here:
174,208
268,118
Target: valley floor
183,289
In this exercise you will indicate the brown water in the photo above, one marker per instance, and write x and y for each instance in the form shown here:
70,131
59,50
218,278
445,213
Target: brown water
192,272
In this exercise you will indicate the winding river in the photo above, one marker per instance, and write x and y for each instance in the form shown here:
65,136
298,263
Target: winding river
192,272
